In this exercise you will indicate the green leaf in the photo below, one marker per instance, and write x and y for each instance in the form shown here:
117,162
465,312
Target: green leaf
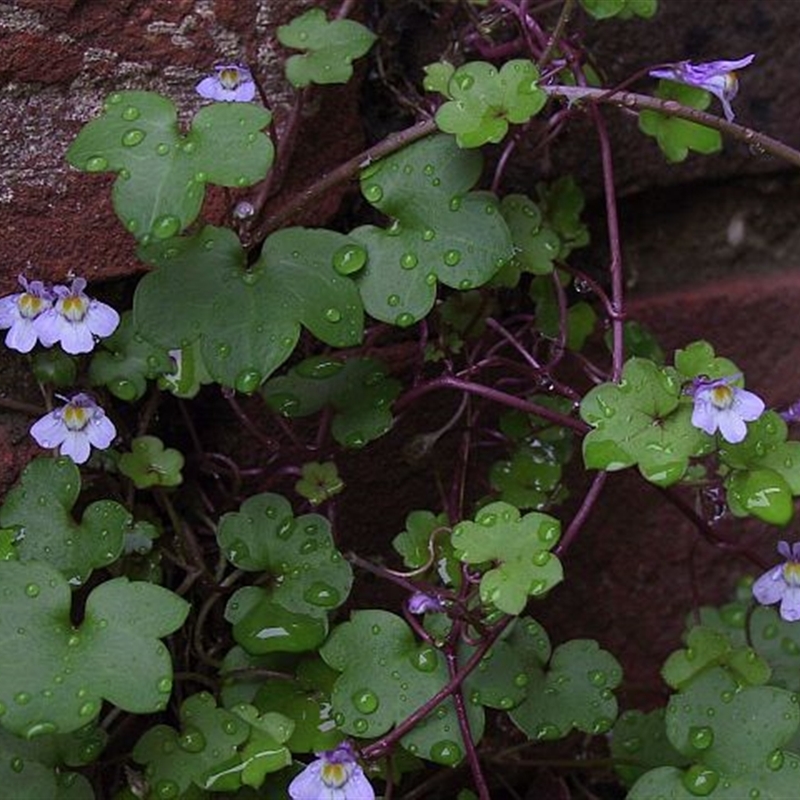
644,420
746,726
520,546
35,770
485,100
150,464
760,493
777,641
56,675
698,359
127,361
56,367
187,372
529,480
332,47
425,189
574,692
357,389
437,77
40,507
675,136
426,541
386,675
581,317
643,738
309,576
247,319
162,174
625,9
319,482
504,674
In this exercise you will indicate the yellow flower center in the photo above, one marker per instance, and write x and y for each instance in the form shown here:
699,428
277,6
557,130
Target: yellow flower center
335,775
722,396
75,417
791,573
230,78
74,307
30,305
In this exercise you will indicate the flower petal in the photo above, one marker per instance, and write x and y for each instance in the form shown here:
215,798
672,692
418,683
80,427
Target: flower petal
731,426
747,405
790,605
101,319
704,416
75,337
358,787
101,432
49,431
22,336
770,587
76,446
308,784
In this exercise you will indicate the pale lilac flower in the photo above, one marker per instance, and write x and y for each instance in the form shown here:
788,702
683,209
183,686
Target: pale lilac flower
230,83
717,77
75,428
76,319
335,775
422,603
20,313
782,583
720,405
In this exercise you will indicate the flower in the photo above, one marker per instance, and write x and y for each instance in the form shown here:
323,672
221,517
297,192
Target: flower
76,319
20,312
421,603
335,775
717,77
75,428
782,583
230,83
718,404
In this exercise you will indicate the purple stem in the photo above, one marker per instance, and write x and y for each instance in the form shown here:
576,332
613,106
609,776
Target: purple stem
583,514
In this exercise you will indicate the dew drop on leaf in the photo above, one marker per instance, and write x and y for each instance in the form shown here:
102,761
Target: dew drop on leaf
373,192
166,790
333,315
446,752
349,258
247,381
32,590
44,728
408,261
17,764
701,737
133,137
322,594
405,319
699,780
366,701
96,164
130,113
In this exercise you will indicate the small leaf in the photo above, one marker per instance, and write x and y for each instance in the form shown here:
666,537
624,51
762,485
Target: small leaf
40,508
332,47
574,692
676,136
162,174
644,419
56,675
127,361
247,319
385,675
485,100
357,389
521,547
760,493
150,464
309,576
625,9
425,189
698,359
319,482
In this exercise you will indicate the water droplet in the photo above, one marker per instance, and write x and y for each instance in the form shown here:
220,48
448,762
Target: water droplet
775,760
540,558
699,780
602,725
164,685
521,680
546,730
247,381
165,226
360,725
376,629
322,594
426,659
130,113
632,745
373,192
405,319
701,737
445,752
465,284
455,203
17,764
223,350
349,258
166,790
44,728
32,590
463,81
192,741
366,701
597,677
87,710
408,261
133,137
430,279
333,315
770,631
96,164
790,646
162,149
452,257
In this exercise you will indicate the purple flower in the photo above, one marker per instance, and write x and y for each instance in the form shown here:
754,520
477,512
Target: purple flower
20,313
422,603
75,428
720,405
782,583
717,77
76,319
335,775
230,83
